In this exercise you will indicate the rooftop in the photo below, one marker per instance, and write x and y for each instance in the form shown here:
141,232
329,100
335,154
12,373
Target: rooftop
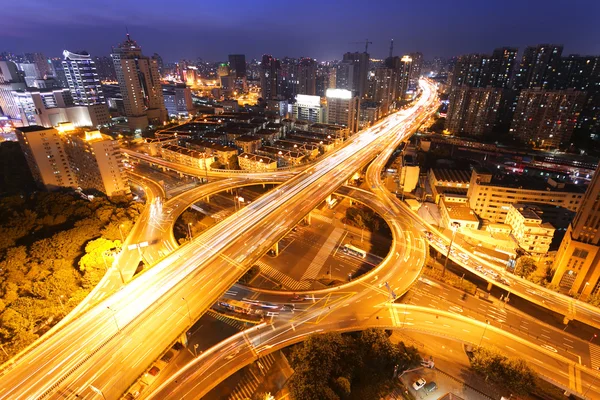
248,139
185,151
257,158
452,175
460,211
532,183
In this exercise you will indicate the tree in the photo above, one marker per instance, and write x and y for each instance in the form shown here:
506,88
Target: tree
525,266
511,373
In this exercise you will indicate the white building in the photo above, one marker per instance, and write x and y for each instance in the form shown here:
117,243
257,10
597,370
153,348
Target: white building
532,233
309,108
82,78
343,108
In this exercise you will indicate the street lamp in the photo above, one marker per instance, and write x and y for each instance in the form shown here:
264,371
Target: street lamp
454,226
189,226
487,322
63,306
593,337
98,391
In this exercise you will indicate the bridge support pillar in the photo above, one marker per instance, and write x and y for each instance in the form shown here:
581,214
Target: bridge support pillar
489,286
208,199
275,249
328,199
180,175
164,169
307,219
183,339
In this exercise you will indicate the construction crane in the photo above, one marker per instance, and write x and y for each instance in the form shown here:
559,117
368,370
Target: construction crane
366,42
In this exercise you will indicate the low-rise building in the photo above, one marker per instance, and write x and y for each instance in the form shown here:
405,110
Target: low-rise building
441,180
188,157
491,196
532,233
324,144
457,212
225,155
310,150
284,157
248,143
153,145
335,131
256,162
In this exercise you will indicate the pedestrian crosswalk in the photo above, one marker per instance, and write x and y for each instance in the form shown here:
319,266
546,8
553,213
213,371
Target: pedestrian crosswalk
595,356
252,378
317,263
239,325
286,281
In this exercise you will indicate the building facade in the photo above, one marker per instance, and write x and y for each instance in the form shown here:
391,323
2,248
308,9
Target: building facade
547,118
82,78
309,108
140,85
530,229
343,108
474,111
491,198
577,263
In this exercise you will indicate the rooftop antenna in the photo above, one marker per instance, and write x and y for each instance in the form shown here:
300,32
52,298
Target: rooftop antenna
127,31
391,48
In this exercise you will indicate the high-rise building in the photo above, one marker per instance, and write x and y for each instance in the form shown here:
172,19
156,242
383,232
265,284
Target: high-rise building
416,67
178,99
140,85
358,81
59,72
11,79
309,108
105,68
307,76
385,88
159,63
502,65
46,157
223,70
343,108
539,67
82,78
96,160
288,78
547,117
49,107
269,77
470,70
403,70
473,110
237,64
43,66
577,263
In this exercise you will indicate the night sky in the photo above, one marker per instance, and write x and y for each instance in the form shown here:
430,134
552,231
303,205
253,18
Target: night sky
320,29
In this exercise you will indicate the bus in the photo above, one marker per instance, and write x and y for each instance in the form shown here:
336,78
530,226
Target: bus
354,251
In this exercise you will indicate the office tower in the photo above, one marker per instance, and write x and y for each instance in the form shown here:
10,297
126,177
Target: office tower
105,68
223,70
82,78
343,108
385,88
345,76
539,67
159,63
546,118
307,76
502,66
269,77
309,108
358,81
45,154
42,64
96,161
140,85
416,67
10,79
178,99
237,63
473,110
577,263
59,72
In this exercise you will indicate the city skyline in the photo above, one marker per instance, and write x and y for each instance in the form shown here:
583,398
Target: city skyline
210,34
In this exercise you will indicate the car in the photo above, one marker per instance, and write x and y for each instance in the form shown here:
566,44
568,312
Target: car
419,383
297,298
430,387
288,307
154,371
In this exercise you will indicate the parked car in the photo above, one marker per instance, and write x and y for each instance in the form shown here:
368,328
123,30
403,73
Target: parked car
419,383
430,387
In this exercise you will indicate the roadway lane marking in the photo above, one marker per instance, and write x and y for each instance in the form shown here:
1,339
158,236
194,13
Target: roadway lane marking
464,330
547,337
508,347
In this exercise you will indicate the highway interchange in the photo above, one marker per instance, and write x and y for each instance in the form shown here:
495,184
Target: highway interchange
115,341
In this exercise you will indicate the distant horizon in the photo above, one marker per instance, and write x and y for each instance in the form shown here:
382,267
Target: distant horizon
187,30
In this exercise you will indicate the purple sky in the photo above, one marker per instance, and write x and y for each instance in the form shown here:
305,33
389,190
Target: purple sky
321,29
